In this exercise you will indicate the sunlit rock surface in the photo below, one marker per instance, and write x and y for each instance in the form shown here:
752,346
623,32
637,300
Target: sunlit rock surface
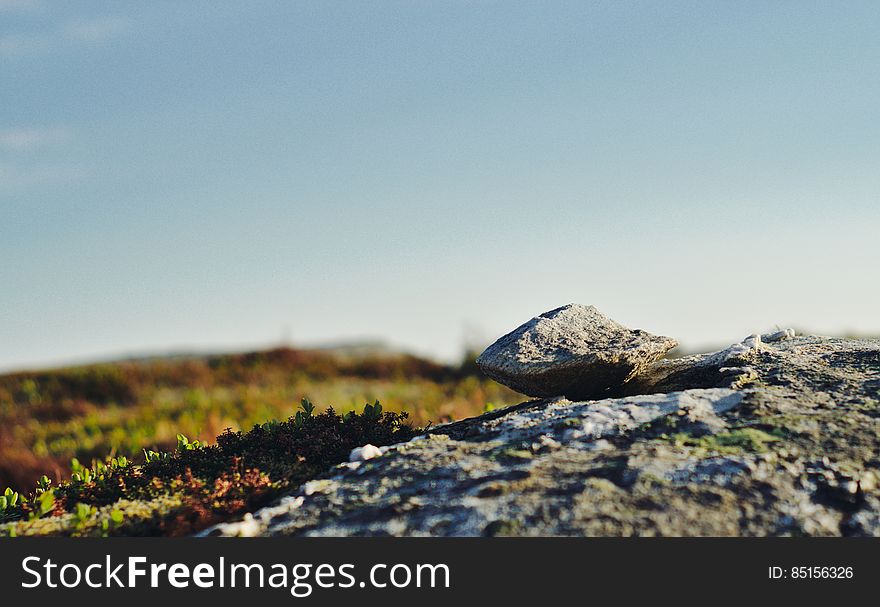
573,351
776,435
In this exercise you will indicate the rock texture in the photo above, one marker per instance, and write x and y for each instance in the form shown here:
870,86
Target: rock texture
777,435
573,351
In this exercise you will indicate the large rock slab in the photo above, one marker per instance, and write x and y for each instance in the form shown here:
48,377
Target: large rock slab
777,437
573,351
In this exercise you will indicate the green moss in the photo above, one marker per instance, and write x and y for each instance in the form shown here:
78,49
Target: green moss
517,454
124,517
749,440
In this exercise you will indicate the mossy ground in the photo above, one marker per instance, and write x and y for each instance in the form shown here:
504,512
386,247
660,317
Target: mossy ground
199,485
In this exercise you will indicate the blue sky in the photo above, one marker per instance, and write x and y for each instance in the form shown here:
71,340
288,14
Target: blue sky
221,174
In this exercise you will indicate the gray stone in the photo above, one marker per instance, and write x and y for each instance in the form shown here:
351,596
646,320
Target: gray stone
573,351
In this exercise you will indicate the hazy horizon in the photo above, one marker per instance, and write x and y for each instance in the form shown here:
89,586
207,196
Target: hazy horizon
216,175
366,341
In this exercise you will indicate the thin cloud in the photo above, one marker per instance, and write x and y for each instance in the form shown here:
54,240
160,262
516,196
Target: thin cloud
24,44
21,171
23,139
83,31
15,179
20,5
93,31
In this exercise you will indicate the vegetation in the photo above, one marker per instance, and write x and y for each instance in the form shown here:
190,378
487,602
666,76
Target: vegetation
143,407
734,442
196,485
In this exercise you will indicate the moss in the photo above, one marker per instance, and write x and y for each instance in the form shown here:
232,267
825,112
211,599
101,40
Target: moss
651,480
749,440
600,485
502,527
124,517
517,454
198,485
493,489
570,422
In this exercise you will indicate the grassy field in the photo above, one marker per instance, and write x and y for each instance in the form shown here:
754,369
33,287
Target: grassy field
119,409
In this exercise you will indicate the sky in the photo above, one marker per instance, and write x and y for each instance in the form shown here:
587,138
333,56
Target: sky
224,175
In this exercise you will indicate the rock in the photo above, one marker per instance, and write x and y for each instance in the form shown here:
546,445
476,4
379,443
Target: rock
362,454
573,351
247,527
778,335
794,452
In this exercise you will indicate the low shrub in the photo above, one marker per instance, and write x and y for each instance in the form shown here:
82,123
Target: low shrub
198,485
